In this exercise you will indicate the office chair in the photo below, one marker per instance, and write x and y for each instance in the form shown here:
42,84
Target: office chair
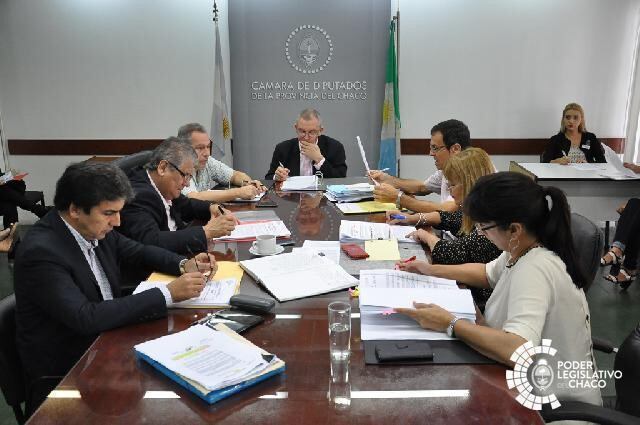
11,375
627,406
129,162
588,242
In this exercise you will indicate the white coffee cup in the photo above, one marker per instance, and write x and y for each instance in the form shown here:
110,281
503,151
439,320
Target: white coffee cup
265,244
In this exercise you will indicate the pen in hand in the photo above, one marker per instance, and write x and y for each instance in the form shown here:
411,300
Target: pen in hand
408,260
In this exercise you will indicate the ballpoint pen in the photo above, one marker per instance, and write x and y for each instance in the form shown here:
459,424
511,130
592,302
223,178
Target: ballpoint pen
385,169
397,216
408,260
220,209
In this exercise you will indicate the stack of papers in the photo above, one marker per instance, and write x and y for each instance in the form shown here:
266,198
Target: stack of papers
381,290
212,363
298,274
349,192
615,168
352,231
300,183
248,231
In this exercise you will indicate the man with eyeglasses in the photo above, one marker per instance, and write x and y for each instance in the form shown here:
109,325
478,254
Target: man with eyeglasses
309,153
210,172
448,138
159,214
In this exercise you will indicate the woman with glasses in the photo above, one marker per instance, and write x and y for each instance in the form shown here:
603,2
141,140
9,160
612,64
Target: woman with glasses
537,282
573,143
470,246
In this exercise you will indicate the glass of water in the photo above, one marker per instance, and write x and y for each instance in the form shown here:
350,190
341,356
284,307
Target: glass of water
339,330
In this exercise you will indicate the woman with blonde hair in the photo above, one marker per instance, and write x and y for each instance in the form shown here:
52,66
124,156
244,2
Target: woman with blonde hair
470,246
573,143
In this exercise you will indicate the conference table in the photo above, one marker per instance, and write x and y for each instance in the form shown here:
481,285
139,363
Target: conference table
109,386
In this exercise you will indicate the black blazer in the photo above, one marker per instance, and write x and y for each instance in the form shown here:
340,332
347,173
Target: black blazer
145,219
288,152
59,309
558,145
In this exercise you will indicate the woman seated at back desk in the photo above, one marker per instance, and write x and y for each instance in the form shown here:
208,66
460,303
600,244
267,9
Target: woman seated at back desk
536,282
470,246
573,144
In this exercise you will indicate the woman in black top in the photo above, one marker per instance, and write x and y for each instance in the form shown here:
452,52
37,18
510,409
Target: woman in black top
462,171
573,143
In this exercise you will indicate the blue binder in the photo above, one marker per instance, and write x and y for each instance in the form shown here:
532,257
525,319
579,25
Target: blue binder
213,396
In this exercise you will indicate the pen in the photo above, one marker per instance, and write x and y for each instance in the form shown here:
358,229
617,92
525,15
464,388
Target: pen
408,260
289,243
385,169
564,153
220,209
281,164
398,216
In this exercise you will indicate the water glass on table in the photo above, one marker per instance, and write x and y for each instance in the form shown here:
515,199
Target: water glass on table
339,330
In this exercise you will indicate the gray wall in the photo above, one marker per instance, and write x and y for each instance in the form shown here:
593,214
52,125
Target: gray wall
258,31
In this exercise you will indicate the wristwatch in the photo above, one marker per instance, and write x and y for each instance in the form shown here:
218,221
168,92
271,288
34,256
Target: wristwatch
450,331
182,264
400,193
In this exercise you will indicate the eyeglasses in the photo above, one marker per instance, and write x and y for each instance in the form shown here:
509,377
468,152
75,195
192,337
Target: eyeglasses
186,176
482,229
310,133
436,149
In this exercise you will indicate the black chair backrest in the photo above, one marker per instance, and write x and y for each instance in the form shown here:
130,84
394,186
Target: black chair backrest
628,387
11,374
129,162
588,241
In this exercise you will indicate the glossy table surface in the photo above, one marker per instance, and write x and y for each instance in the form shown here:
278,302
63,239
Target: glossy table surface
108,385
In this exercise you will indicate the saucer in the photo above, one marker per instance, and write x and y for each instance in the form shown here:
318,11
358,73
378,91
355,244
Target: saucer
279,250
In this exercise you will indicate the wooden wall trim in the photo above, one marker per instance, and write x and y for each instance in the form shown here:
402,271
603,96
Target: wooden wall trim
129,146
500,146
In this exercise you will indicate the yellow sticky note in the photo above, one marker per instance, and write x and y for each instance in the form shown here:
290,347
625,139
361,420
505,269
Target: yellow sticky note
375,206
226,270
382,250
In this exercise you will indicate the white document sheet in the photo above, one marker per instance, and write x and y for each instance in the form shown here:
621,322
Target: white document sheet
211,358
384,278
366,230
300,183
456,301
249,231
298,274
216,293
363,231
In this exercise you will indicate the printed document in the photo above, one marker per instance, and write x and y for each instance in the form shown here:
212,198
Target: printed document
294,183
298,274
248,231
216,293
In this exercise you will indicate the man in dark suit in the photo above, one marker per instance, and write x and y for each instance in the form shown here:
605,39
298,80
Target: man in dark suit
159,213
308,153
67,278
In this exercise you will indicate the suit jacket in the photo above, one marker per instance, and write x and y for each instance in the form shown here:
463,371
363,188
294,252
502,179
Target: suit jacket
59,309
145,219
558,145
288,152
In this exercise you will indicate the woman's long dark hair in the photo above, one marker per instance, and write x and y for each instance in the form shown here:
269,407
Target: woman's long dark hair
508,197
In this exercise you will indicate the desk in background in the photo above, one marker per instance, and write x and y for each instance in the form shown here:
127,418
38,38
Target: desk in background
588,193
108,386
